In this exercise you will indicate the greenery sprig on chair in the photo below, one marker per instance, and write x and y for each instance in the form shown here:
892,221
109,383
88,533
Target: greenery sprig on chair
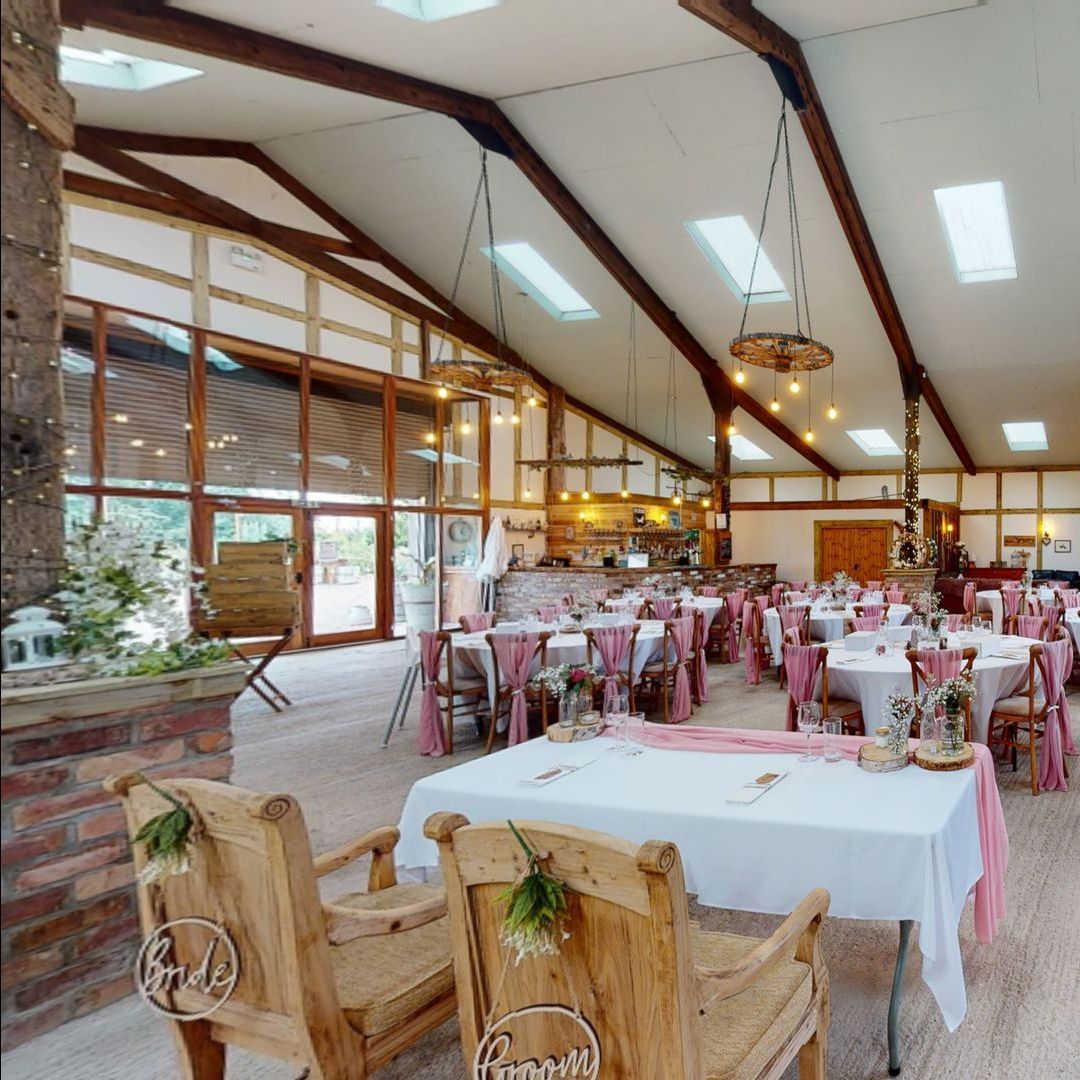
535,908
168,839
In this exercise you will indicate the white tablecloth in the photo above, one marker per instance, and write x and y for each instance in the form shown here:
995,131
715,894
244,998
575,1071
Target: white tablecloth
869,678
825,625
472,654
710,606
990,601
916,855
1072,621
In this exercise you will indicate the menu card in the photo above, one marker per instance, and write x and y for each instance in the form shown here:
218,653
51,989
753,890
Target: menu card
754,789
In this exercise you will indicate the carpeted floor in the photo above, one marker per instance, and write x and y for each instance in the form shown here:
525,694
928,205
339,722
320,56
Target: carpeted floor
1023,990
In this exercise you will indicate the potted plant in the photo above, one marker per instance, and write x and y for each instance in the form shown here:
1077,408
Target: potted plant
418,594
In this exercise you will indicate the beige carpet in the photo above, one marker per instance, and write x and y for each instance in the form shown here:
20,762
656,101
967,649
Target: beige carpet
1023,991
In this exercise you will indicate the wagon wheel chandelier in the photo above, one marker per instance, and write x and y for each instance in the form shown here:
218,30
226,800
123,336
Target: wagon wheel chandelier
477,372
784,352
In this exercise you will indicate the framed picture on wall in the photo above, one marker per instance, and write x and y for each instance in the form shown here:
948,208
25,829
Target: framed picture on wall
639,517
1062,547
517,551
674,519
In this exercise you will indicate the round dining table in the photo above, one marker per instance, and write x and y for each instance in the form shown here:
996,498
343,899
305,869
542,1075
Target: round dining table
709,606
825,624
868,678
989,602
473,655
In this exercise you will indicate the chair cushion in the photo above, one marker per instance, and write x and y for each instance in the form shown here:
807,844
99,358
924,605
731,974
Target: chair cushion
740,1034
1018,706
383,980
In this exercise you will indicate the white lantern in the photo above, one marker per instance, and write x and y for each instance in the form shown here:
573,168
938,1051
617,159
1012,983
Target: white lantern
32,640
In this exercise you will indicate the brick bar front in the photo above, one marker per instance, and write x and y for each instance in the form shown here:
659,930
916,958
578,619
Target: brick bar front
70,927
523,591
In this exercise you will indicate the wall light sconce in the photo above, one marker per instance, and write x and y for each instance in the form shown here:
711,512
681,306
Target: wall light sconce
1046,537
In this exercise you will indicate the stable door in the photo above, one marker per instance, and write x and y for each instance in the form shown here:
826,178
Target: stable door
859,548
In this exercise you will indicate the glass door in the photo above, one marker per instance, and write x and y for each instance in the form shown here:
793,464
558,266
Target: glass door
239,524
344,578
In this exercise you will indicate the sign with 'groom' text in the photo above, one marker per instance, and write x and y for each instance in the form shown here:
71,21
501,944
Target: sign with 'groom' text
541,1042
211,968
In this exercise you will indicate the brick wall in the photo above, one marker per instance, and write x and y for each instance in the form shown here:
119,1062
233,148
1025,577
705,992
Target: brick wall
523,591
70,925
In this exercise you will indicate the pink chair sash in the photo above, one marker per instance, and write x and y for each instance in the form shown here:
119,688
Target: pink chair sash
776,593
815,593
663,607
969,598
599,594
710,590
941,664
798,586
854,594
1009,585
431,737
1031,626
953,622
613,644
797,597
873,586
1052,615
895,596
1054,666
801,663
864,623
514,653
791,617
762,603
993,837
752,631
682,640
549,612
701,666
1011,599
873,611
734,601
479,620
1070,598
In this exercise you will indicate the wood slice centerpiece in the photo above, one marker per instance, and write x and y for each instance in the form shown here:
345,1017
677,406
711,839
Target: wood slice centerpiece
880,759
945,762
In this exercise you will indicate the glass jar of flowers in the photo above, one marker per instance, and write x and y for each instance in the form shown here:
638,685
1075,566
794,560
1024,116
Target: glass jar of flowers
571,685
952,697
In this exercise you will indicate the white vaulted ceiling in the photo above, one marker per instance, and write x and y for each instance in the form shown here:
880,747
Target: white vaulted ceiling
652,118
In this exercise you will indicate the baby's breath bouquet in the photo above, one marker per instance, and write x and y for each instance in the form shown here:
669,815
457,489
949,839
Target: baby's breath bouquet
535,908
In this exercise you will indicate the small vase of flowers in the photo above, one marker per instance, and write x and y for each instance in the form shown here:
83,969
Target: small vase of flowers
952,697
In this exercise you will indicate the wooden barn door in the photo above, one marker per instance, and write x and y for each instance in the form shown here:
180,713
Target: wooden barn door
859,548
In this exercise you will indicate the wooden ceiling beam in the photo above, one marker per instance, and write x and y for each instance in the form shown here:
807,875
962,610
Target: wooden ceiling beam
739,20
226,41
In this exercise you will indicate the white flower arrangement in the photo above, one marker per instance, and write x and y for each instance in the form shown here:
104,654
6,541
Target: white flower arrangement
927,604
118,599
841,582
561,679
950,694
898,713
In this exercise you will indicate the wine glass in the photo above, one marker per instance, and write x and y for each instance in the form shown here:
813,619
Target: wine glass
617,714
808,718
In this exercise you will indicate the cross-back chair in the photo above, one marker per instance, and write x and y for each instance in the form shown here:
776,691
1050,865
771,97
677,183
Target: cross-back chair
664,999
341,987
458,694
849,712
622,669
535,697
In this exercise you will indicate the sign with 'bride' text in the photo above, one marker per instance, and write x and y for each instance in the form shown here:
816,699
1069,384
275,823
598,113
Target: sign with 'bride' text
211,969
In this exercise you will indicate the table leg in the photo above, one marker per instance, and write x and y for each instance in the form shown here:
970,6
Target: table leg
894,1000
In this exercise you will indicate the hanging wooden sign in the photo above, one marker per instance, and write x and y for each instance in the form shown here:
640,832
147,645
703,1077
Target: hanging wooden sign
1011,540
573,1050
213,971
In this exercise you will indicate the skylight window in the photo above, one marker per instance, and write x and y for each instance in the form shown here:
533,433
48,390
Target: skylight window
529,270
111,70
729,244
744,449
976,223
1026,435
435,10
876,442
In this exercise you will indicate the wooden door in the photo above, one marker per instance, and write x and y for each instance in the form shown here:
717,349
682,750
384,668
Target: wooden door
859,548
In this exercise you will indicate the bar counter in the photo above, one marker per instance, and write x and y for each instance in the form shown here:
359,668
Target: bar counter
523,589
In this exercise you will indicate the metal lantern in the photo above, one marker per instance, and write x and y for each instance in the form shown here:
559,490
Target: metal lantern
32,640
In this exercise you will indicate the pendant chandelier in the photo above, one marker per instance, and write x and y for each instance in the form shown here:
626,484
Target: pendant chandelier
477,372
783,352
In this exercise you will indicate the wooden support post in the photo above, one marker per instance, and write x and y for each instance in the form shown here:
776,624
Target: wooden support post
36,124
200,279
312,316
555,479
722,419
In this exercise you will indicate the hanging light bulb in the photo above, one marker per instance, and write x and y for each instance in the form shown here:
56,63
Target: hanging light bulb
564,495
809,436
740,376
466,428
624,494
774,405
514,418
794,387
730,430
676,500
498,418
832,414
585,496
526,494
443,392
532,401
706,503
429,437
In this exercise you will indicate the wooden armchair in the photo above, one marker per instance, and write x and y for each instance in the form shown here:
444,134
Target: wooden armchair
666,1000
340,987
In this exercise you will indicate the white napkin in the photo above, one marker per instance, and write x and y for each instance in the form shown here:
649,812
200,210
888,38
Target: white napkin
752,790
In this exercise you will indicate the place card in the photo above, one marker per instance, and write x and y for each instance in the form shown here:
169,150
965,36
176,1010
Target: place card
754,789
553,773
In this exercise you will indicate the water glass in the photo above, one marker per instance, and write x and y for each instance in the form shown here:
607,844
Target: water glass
833,729
617,718
635,730
809,717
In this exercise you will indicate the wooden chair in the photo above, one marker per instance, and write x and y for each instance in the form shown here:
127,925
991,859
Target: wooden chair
757,639
624,677
919,678
459,695
716,640
666,1000
697,651
849,712
658,678
536,697
860,610
341,987
1025,713
663,608
481,620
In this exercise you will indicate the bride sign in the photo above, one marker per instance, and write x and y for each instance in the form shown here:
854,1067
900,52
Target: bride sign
570,1046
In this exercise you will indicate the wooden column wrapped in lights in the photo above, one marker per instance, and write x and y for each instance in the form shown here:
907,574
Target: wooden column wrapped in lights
37,128
555,477
912,436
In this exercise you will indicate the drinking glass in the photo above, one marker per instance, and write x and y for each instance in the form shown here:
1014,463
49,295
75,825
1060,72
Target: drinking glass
617,716
833,729
809,717
635,731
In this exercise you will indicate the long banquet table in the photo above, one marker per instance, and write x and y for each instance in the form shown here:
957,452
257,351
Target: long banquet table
901,846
